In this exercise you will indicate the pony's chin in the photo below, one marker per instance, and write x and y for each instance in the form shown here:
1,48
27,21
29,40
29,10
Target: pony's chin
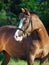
19,38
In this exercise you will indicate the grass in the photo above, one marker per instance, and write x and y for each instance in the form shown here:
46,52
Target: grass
13,61
21,62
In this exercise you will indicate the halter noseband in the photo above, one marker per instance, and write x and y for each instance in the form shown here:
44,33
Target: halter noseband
24,31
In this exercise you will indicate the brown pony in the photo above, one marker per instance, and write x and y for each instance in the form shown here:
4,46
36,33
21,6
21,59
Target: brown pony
40,41
34,38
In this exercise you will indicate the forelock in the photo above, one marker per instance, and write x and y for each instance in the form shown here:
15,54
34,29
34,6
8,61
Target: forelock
23,15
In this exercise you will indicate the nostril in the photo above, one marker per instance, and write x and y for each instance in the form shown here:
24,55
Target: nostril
16,36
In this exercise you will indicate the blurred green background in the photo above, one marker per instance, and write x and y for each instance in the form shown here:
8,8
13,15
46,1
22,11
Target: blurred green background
9,15
10,10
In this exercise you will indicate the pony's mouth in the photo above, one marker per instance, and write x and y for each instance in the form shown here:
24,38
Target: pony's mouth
18,38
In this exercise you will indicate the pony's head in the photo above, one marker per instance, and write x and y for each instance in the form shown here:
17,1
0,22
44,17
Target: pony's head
28,22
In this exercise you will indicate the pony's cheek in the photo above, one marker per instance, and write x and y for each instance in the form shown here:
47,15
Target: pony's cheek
18,38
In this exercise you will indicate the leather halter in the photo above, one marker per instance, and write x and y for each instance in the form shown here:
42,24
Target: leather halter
25,30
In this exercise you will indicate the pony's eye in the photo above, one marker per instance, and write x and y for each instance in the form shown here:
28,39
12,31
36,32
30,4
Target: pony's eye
24,22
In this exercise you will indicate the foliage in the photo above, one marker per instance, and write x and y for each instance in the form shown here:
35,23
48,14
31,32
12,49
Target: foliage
10,10
9,15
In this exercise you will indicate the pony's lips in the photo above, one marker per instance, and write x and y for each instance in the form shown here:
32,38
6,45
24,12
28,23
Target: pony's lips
18,38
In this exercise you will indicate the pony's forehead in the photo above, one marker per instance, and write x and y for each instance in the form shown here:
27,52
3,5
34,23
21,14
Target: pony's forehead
23,15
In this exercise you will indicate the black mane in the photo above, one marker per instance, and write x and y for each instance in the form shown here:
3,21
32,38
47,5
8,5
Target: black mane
33,12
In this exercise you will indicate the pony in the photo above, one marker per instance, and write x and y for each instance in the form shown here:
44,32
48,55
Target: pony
40,40
32,44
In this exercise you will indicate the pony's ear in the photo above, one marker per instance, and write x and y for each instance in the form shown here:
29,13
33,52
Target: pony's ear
27,12
23,10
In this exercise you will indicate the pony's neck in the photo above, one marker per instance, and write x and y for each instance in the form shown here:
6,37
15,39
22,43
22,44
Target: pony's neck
40,28
42,33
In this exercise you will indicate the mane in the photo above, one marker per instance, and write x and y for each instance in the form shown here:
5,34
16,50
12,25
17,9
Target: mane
33,12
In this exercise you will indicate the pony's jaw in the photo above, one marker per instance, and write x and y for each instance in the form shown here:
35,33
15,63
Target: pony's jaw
18,38
16,35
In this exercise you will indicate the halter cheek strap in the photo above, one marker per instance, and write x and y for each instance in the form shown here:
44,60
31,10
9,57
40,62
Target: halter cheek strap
30,22
25,31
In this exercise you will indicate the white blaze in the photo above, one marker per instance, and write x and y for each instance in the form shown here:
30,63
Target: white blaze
21,23
16,36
